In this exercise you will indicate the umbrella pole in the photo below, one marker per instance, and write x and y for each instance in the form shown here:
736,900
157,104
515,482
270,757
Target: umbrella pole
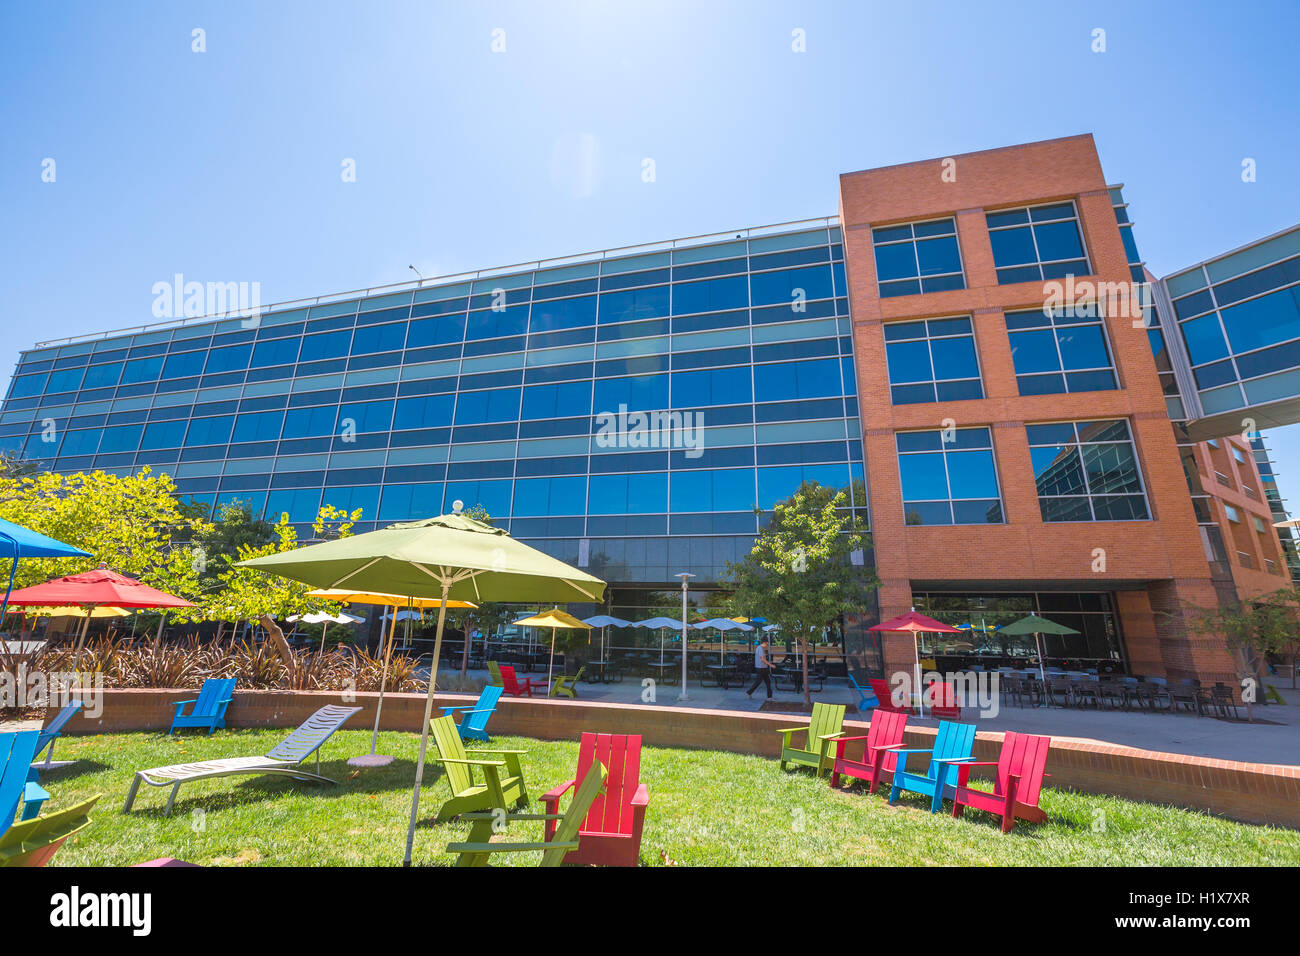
1042,673
383,679
323,628
920,693
81,640
424,727
551,664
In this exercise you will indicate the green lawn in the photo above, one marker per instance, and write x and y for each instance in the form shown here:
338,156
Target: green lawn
706,808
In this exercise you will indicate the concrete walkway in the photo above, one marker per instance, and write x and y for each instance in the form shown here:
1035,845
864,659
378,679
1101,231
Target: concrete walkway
1274,738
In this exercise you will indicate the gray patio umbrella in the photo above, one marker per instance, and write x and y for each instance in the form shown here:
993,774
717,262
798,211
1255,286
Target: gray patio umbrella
659,623
1035,625
604,621
723,624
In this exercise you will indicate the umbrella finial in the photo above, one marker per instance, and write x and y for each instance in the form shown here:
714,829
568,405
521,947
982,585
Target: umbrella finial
457,506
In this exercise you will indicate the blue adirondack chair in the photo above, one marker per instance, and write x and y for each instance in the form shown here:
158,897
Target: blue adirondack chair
473,722
953,742
51,733
866,699
16,753
209,708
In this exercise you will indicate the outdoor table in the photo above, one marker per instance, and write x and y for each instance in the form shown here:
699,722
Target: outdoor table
597,672
665,669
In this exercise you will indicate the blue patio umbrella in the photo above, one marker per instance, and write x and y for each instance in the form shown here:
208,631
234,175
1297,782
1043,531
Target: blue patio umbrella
20,542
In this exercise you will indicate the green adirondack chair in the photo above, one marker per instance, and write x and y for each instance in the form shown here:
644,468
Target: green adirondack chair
826,725
503,779
494,669
478,848
568,686
32,842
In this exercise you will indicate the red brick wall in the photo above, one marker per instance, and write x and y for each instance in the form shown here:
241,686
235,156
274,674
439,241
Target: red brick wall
1024,551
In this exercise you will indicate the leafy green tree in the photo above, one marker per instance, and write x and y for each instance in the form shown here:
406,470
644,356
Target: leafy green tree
220,533
247,594
800,573
1267,624
132,523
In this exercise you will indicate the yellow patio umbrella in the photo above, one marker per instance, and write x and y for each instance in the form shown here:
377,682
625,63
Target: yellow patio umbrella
345,596
554,619
97,611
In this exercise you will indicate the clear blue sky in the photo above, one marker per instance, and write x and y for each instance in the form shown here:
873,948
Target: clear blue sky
225,165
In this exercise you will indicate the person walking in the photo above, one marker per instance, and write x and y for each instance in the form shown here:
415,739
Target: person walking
762,670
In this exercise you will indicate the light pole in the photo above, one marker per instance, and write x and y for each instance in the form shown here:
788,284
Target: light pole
686,577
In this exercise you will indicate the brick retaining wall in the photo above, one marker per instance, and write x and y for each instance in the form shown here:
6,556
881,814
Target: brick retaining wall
1253,793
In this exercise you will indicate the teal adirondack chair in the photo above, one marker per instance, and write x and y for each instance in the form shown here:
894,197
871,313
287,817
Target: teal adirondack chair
827,724
16,753
209,708
953,742
51,733
473,720
866,699
503,779
479,847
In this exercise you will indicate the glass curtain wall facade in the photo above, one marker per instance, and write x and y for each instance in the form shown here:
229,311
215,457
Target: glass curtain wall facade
635,414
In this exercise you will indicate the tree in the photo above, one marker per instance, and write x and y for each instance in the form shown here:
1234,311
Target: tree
132,523
800,573
248,594
220,533
1267,624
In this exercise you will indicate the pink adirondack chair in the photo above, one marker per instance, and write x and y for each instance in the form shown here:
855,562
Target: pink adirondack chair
520,688
611,833
1016,786
885,698
941,701
883,736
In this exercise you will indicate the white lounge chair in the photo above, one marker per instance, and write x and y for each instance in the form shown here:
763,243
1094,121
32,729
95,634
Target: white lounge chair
282,759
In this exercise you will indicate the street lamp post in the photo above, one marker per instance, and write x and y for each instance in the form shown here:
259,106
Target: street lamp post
686,577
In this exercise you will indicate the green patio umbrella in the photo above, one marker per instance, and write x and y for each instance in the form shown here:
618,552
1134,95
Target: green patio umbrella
449,557
1035,625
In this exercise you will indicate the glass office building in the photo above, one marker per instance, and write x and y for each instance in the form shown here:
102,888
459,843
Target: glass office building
516,389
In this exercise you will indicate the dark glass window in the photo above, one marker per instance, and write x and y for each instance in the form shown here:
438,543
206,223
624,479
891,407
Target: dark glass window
932,360
918,257
258,426
558,314
1037,243
637,392
426,411
1087,471
541,497
718,386
495,405
792,287
949,477
560,400
325,346
310,422
628,494
1065,351
274,352
816,378
209,431
721,489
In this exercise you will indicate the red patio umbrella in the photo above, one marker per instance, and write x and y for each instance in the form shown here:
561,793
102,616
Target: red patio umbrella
914,623
96,588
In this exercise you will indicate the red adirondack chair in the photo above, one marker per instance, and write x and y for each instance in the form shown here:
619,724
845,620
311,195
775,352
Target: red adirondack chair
519,688
941,701
611,833
885,698
1015,789
885,732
